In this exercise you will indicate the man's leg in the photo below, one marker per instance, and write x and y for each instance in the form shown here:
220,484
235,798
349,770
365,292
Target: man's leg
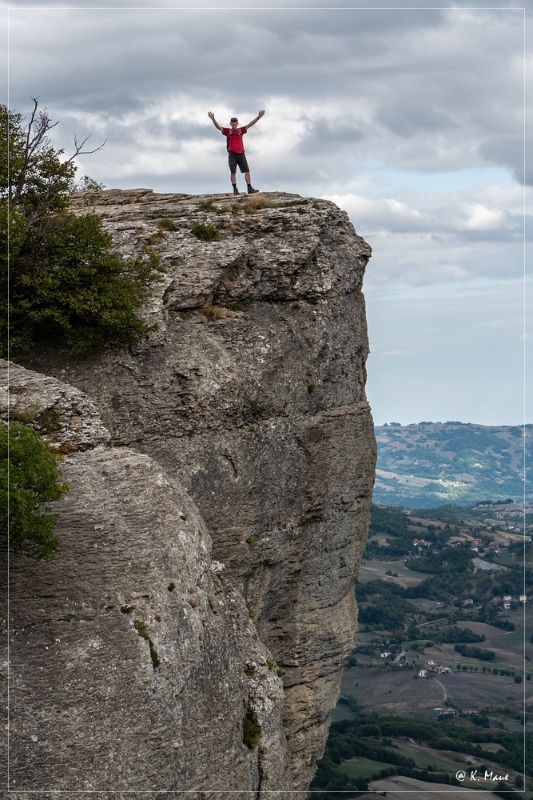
248,179
233,172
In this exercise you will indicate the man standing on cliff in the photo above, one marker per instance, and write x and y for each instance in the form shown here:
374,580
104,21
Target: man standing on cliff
235,145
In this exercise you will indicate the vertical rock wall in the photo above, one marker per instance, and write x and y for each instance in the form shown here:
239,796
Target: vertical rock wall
133,664
252,393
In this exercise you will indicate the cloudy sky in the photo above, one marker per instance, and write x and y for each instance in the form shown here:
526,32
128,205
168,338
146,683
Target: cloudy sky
411,119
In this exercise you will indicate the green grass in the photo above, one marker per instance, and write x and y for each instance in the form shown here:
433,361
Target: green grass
359,767
426,757
373,569
167,224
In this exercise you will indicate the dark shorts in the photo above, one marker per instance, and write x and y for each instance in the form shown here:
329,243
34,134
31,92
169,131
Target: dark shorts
238,160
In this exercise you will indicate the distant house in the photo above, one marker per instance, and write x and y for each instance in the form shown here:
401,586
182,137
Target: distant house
468,602
385,655
422,673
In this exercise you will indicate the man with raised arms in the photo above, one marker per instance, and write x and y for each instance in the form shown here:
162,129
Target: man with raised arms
235,145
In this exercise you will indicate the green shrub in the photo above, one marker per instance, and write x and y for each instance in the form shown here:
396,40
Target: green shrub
206,231
206,205
251,732
66,282
167,224
64,279
29,478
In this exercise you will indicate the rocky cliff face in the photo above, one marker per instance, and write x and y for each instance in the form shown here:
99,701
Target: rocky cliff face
245,410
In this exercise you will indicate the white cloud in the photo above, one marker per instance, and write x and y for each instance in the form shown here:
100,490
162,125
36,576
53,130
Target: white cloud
481,218
383,110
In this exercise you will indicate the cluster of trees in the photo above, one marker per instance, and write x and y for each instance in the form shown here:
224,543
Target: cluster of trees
60,278
369,734
62,283
453,635
382,605
469,651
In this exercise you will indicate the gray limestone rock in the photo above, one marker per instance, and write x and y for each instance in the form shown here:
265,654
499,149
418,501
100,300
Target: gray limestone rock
132,662
251,392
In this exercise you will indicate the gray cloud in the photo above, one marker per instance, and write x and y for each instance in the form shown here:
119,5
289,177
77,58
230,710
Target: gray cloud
355,99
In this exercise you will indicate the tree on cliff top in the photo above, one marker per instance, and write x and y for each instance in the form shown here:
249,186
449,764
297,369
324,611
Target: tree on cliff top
60,279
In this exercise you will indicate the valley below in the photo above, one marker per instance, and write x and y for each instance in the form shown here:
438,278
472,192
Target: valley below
437,695
431,463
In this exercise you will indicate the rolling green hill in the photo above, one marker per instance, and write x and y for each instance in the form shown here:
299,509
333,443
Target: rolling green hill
431,463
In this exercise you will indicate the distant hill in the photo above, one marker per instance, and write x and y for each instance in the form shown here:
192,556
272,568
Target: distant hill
431,463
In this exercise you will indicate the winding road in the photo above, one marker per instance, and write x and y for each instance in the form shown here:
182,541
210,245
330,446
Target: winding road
442,687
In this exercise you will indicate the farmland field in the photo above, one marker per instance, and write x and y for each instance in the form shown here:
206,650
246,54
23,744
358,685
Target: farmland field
359,767
372,569
391,689
400,788
449,761
482,690
408,619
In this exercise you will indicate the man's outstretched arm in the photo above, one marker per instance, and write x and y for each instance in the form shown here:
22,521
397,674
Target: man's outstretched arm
213,120
261,114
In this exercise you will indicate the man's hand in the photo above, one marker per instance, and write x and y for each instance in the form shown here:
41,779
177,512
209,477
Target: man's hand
261,114
213,120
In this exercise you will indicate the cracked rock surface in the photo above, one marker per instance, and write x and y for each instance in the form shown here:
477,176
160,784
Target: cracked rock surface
251,393
133,665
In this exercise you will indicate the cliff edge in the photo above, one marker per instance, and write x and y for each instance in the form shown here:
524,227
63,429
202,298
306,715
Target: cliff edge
249,400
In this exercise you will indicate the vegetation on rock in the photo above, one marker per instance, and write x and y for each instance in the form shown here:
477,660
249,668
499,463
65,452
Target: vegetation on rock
29,479
251,732
60,278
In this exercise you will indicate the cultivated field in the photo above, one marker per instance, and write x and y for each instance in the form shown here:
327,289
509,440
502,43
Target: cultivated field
374,569
481,690
400,788
389,689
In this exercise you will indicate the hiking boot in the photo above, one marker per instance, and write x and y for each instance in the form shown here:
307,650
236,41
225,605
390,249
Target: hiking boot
235,190
251,189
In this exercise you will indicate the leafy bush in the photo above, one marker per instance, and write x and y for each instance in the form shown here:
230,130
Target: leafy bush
58,274
167,224
207,204
66,282
29,478
206,231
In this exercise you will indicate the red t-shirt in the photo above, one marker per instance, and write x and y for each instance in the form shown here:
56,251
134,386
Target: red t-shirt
234,137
